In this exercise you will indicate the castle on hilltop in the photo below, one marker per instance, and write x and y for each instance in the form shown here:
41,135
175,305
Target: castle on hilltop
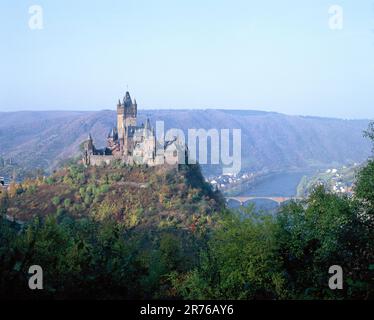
133,144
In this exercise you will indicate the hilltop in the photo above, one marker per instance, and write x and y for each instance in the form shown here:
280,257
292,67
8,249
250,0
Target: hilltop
105,232
119,232
270,141
133,196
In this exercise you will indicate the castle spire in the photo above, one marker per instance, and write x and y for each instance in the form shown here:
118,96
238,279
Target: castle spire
111,133
147,128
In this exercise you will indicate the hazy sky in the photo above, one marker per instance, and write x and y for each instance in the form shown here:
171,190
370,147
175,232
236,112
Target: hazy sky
236,54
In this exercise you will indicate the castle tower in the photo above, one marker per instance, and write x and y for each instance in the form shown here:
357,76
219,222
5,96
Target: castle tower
89,143
120,120
88,150
127,112
130,110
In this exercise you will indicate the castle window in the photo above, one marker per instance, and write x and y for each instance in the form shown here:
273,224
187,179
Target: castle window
175,153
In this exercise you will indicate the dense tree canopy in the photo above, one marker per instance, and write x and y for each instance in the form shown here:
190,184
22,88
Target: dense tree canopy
240,255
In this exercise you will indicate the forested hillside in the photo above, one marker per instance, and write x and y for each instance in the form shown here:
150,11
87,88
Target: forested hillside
270,141
149,233
133,196
170,249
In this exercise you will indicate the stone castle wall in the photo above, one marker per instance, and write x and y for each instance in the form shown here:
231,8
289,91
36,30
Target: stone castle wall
97,160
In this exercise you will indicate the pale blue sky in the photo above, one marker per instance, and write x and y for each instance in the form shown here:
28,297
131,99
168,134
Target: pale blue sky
235,54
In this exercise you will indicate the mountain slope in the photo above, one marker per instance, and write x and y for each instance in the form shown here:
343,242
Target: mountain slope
270,141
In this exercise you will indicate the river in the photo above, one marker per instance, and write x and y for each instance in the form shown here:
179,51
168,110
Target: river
280,184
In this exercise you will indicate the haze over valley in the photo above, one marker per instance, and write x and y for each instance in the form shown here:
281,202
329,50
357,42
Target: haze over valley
271,142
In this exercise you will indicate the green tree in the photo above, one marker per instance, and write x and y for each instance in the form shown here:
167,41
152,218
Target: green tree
325,231
239,262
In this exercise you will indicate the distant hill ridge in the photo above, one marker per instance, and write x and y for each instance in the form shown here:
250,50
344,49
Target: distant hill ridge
270,141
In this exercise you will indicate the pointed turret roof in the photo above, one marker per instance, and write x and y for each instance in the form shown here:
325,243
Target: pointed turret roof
147,128
127,102
111,133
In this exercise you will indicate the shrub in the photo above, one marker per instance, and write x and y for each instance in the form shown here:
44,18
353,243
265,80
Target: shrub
67,203
56,200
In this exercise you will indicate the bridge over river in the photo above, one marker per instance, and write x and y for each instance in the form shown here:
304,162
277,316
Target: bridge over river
278,200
